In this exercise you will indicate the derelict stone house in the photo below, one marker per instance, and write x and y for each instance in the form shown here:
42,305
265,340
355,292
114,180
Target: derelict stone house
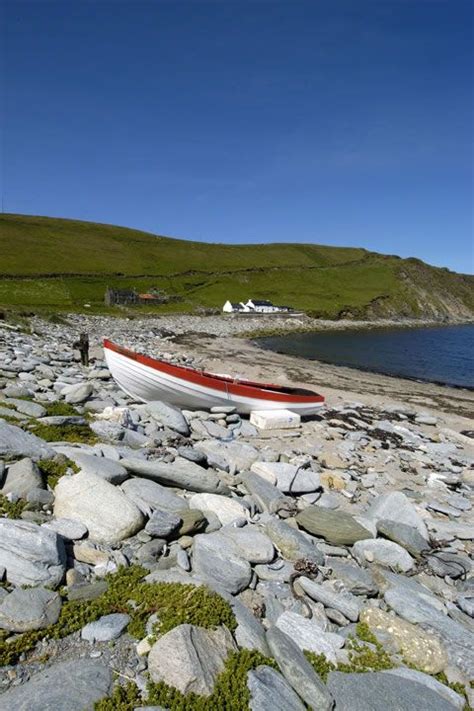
120,296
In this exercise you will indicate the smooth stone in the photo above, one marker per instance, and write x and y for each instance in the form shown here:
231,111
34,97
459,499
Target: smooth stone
358,581
39,497
270,692
307,634
406,536
336,527
31,555
384,553
275,572
250,543
74,685
451,696
105,628
15,442
298,671
225,508
231,456
417,647
190,658
214,558
268,497
193,521
343,602
181,473
292,543
163,524
395,506
87,591
75,394
169,416
6,412
26,407
289,478
103,508
192,454
378,691
67,528
108,469
249,633
451,529
29,609
21,478
148,496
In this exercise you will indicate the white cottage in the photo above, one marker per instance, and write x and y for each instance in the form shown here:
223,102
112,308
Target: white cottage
261,306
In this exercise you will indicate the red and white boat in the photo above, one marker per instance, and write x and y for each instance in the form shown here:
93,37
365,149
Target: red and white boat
147,379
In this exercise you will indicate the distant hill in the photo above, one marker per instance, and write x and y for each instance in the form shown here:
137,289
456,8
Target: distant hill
50,264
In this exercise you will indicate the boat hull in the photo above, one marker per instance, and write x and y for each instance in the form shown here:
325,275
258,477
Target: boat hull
147,379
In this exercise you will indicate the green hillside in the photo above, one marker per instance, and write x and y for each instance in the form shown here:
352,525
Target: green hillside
49,264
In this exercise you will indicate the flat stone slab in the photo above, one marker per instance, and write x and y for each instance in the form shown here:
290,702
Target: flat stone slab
22,477
307,634
214,558
347,604
169,416
108,469
105,628
31,554
377,691
250,543
148,496
190,658
68,686
270,692
287,477
336,527
395,506
226,509
383,552
292,543
181,473
15,442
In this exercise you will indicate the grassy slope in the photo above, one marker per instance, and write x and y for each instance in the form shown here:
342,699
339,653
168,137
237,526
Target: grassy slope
85,257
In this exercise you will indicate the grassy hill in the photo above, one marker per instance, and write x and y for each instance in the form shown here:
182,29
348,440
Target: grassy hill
50,264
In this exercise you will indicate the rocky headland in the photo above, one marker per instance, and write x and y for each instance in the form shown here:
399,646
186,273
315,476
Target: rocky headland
167,559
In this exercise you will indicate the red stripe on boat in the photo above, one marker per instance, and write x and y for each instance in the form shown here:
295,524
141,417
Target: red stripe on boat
245,388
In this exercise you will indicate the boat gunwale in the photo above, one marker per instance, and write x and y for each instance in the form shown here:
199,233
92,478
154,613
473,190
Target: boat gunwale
223,383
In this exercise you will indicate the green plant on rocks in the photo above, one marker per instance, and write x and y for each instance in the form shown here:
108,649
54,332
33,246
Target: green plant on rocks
54,469
11,509
175,604
59,408
64,433
230,690
124,697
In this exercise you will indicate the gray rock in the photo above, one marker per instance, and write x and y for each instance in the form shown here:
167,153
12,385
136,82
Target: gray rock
268,497
67,528
194,455
292,543
107,469
149,496
190,658
307,635
63,420
39,497
181,473
358,581
287,477
349,605
298,671
230,456
22,477
15,442
249,633
214,558
377,691
29,609
250,543
111,432
30,554
336,527
68,686
32,409
77,393
395,506
279,571
163,524
270,692
406,536
430,682
105,510
225,508
105,628
169,416
384,553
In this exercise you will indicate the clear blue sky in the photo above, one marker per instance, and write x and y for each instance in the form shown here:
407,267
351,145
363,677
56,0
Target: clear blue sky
344,123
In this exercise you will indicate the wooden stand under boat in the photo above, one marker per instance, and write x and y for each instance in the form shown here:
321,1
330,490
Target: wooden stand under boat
148,379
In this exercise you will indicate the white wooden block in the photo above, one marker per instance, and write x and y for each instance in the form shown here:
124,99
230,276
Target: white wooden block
275,419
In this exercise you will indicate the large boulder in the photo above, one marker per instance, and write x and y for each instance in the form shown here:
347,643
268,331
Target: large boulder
15,442
22,477
336,527
74,685
108,514
190,658
31,555
29,609
169,416
181,473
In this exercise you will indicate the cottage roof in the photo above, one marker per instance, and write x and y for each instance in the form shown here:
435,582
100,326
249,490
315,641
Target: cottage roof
261,302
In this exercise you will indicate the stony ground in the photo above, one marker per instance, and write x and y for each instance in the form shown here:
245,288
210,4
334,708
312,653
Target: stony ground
187,560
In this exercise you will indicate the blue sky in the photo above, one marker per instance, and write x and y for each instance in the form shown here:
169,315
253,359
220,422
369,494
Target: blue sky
334,122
